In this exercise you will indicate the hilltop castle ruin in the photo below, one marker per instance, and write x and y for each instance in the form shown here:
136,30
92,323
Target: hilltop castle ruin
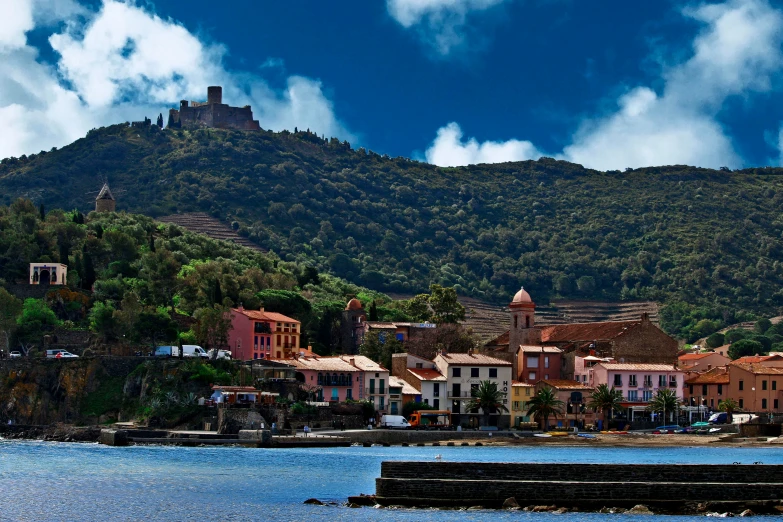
214,114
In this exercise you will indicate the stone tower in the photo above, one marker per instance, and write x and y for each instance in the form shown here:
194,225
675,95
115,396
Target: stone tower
105,201
523,330
352,327
214,95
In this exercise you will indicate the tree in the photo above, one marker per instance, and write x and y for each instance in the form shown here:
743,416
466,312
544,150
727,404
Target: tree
160,120
743,348
605,399
664,402
103,321
35,320
409,407
126,319
715,340
212,326
487,397
543,404
729,406
10,310
88,277
419,308
380,348
586,285
762,325
445,306
154,325
373,315
735,335
42,212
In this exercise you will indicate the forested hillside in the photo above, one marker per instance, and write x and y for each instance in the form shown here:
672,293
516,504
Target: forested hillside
710,239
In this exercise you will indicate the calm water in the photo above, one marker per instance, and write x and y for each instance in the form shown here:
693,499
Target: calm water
50,481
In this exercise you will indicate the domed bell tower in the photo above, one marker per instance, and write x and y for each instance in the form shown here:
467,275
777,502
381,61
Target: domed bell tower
523,330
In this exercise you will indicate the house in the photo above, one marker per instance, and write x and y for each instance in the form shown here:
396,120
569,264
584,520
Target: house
638,383
756,387
48,274
400,393
520,394
722,350
701,361
465,371
575,396
342,378
536,363
706,390
583,365
771,360
422,375
258,334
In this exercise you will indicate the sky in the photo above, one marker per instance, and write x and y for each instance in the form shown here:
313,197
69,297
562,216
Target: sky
608,84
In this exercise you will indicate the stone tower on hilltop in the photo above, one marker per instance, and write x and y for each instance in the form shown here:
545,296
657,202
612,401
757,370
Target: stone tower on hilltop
105,201
212,114
523,331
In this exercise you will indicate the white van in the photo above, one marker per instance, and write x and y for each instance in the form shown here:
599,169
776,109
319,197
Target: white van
167,351
394,422
193,350
221,354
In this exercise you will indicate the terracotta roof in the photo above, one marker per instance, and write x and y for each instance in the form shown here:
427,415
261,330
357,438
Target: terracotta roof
379,325
565,384
540,349
501,340
425,374
354,304
407,389
750,359
320,364
718,375
759,369
694,356
639,367
261,315
472,359
363,363
521,384
586,331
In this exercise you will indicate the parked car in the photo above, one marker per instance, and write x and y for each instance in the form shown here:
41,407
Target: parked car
221,354
59,354
167,351
394,422
14,355
193,350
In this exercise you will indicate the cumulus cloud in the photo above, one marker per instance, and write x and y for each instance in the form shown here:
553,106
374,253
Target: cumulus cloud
440,23
736,53
449,150
122,63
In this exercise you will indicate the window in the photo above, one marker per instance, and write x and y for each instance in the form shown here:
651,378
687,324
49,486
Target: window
380,386
774,385
741,387
618,380
546,376
493,373
456,372
690,389
372,385
704,389
632,380
647,395
712,402
349,393
532,361
546,361
436,390
661,381
436,403
382,399
515,406
527,321
775,403
720,389
474,372
648,381
516,391
531,376
763,404
741,403
455,390
419,365
632,396
527,392
764,385
335,394
516,322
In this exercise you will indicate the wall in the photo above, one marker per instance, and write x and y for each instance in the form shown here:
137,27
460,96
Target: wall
752,392
645,344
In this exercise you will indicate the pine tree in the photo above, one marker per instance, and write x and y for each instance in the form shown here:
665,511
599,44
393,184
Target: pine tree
160,120
373,312
152,243
218,295
89,272
42,211
65,251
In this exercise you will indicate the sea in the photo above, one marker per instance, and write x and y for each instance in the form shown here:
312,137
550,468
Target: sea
74,482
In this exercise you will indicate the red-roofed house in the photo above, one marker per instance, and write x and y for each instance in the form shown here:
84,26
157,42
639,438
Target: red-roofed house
258,334
757,388
706,390
421,374
700,362
575,396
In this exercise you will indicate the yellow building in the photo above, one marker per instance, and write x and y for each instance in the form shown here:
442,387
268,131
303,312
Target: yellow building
521,392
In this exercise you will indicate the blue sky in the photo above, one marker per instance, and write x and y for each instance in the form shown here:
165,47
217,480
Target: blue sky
609,84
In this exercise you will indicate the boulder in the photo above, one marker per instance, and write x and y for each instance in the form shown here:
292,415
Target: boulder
313,501
747,513
114,437
640,509
510,503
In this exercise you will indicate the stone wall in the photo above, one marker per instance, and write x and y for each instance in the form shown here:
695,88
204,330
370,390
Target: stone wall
562,483
645,344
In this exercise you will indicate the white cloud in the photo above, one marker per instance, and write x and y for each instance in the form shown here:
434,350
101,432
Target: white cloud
440,23
17,20
449,150
123,63
737,53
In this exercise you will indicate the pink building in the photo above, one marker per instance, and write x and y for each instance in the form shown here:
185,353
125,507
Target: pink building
639,383
258,334
337,379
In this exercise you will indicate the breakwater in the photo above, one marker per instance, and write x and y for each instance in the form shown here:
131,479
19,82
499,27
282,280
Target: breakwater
667,487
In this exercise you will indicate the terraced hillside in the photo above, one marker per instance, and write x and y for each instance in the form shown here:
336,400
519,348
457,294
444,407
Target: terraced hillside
202,223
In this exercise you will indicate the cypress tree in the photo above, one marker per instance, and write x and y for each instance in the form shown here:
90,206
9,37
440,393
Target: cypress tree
89,272
152,243
65,251
218,292
373,312
42,211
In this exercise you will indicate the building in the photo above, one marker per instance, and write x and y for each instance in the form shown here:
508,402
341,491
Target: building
375,378
757,388
258,334
422,375
583,365
537,363
638,383
575,396
699,362
520,395
705,391
465,371
105,201
212,114
771,360
352,326
48,274
397,330
400,393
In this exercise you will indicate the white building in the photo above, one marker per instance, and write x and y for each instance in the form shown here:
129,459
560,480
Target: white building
465,371
48,274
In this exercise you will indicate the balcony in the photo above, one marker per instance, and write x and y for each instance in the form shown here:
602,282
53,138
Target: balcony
460,395
375,391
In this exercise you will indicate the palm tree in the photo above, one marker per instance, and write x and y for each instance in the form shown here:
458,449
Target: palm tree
605,399
487,397
729,406
543,404
664,401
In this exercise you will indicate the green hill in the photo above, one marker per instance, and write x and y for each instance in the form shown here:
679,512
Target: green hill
707,238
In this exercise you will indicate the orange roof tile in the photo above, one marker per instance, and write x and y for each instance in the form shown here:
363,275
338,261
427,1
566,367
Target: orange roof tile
694,356
540,349
565,384
320,364
261,315
751,359
426,374
759,369
475,359
586,331
718,375
639,367
407,389
501,340
521,384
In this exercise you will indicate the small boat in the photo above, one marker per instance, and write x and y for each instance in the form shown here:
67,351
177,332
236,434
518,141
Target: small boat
543,435
713,430
585,435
